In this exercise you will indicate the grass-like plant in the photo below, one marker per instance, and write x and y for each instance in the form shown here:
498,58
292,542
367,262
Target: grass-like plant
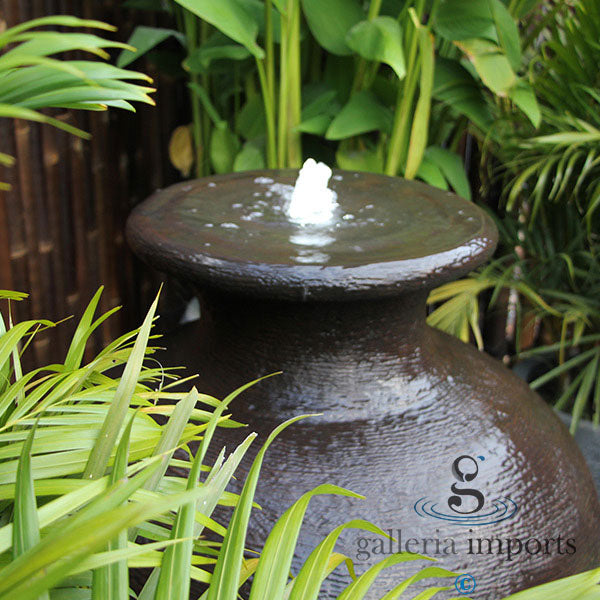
83,478
85,494
33,78
548,220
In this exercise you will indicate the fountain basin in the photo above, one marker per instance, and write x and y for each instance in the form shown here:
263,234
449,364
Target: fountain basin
231,232
340,309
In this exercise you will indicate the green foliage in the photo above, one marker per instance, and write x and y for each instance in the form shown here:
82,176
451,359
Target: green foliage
82,460
74,529
558,162
83,478
331,31
548,173
396,95
32,79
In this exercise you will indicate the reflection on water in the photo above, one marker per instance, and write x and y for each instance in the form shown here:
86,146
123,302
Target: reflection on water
388,220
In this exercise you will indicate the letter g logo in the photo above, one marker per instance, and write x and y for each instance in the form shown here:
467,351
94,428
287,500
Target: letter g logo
465,469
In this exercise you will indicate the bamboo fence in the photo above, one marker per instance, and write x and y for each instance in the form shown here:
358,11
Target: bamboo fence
62,224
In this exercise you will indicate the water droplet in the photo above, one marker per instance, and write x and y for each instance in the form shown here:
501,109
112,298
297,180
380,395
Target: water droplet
263,180
252,216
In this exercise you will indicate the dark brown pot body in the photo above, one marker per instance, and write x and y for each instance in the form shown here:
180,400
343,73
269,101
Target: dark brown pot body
455,455
400,402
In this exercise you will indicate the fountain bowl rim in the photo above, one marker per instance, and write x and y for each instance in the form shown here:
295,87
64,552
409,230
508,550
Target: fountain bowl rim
303,282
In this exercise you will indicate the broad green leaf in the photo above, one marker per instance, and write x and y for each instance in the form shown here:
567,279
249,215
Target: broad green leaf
143,39
524,97
491,64
507,32
224,146
453,169
323,102
256,8
360,160
319,111
316,125
249,158
361,114
420,126
379,39
250,120
231,18
331,20
200,59
456,87
431,173
523,8
457,20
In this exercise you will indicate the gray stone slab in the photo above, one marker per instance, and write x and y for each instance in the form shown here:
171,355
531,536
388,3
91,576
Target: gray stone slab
588,438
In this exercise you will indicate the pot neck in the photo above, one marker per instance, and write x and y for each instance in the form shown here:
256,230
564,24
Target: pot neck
327,326
328,353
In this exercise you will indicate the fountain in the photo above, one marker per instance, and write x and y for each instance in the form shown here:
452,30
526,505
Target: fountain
455,455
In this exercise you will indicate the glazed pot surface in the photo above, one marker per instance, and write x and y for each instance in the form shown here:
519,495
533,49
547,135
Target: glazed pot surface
400,402
455,455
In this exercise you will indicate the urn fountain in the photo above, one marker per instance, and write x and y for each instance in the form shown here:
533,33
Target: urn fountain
454,454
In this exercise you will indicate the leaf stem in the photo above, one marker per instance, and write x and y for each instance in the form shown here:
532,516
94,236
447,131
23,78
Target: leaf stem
294,147
269,114
363,75
189,23
404,105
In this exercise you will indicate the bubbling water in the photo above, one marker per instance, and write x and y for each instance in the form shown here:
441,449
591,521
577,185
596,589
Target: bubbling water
312,203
